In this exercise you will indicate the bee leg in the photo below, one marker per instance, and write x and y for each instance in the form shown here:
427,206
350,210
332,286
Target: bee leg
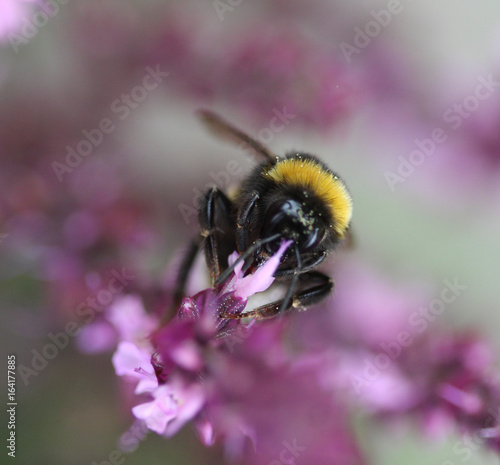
208,205
217,229
300,300
309,261
183,274
242,221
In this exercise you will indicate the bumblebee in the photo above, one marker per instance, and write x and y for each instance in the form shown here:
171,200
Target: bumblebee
295,197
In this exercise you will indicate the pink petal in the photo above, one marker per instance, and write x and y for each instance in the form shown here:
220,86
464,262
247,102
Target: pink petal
128,316
146,385
158,413
205,431
187,356
263,277
128,357
190,400
96,337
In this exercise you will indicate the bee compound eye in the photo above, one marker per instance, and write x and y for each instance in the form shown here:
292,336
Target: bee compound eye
280,215
280,220
310,240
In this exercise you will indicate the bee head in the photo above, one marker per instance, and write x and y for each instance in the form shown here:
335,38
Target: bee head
292,220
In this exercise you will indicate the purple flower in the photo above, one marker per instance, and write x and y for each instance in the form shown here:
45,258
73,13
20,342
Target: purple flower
252,391
170,370
241,385
444,380
455,377
266,70
265,395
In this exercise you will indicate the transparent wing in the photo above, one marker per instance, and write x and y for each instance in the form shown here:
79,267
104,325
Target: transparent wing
222,129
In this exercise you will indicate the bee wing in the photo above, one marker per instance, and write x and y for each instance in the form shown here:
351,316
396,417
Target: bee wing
222,129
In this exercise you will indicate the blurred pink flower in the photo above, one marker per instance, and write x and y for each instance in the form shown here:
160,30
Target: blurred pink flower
446,381
159,412
129,318
264,393
173,406
133,361
13,15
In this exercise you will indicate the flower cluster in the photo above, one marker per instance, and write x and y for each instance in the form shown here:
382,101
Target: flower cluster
170,366
244,386
235,380
448,381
